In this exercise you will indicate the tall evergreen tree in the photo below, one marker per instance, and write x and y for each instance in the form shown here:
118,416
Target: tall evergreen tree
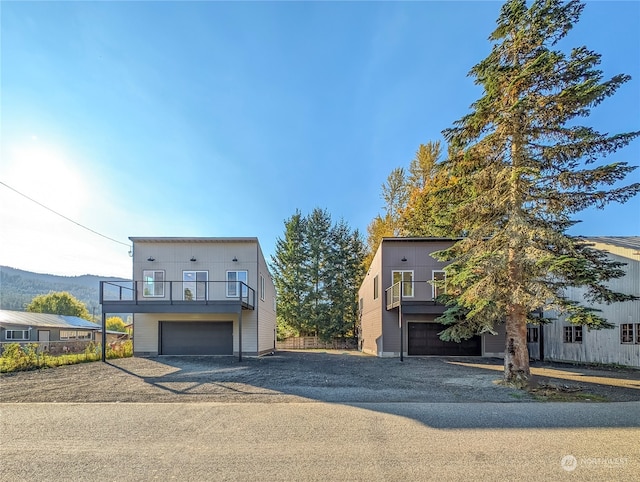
318,265
344,277
290,274
524,167
317,271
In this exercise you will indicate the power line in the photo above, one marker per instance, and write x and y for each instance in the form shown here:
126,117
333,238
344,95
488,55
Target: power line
63,216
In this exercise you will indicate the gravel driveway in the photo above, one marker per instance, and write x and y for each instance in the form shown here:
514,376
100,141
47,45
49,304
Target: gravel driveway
288,376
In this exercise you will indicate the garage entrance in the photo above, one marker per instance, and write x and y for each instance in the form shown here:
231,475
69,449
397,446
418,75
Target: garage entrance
196,338
423,339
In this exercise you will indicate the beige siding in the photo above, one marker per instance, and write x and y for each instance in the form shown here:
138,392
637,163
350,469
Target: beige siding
146,329
266,308
215,256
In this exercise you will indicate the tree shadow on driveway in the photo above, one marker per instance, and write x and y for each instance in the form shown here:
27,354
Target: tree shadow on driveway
441,392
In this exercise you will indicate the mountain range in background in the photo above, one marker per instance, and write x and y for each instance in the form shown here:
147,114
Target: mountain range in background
18,288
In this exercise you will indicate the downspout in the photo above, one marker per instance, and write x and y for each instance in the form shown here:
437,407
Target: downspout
400,323
240,329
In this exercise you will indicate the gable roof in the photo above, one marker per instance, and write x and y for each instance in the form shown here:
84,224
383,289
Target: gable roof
25,318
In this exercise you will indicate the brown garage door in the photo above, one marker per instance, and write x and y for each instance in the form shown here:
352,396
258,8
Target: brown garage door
423,339
196,338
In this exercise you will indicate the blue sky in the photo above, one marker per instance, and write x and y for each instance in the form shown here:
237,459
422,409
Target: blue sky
222,119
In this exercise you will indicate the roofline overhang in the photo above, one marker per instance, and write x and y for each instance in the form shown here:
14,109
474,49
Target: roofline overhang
171,239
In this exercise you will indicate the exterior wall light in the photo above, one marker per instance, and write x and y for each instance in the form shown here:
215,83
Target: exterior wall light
193,258
151,258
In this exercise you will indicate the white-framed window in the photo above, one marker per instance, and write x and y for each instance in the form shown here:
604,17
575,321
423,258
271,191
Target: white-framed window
194,285
376,287
262,287
438,275
83,335
406,278
153,283
630,333
16,335
573,334
234,281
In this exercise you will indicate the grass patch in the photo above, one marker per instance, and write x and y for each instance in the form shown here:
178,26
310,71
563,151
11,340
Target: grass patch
23,358
550,392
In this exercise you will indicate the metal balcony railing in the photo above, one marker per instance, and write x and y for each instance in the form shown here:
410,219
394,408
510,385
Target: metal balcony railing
177,292
409,291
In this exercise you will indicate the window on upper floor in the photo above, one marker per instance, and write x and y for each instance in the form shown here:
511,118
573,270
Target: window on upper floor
235,279
573,334
532,334
406,280
439,276
153,283
262,287
376,287
16,335
194,285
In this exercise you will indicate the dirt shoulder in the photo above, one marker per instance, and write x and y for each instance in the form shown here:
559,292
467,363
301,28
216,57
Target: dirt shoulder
287,376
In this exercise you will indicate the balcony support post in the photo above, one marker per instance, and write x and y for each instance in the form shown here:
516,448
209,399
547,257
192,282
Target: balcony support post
240,333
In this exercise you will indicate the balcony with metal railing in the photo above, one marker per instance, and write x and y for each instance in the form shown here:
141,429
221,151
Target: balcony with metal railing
416,297
176,296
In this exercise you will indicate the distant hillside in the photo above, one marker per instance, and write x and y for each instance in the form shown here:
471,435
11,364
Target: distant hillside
18,288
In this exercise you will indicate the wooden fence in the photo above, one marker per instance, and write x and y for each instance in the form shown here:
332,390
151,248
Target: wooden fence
313,342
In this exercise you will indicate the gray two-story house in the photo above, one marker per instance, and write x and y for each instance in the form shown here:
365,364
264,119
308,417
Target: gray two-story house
397,304
197,296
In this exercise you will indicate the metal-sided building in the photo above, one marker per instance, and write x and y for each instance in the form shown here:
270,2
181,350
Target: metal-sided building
620,345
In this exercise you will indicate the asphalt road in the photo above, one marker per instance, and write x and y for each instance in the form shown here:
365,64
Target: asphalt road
319,441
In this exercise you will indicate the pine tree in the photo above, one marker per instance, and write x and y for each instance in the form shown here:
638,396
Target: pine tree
318,237
523,167
288,265
317,271
344,275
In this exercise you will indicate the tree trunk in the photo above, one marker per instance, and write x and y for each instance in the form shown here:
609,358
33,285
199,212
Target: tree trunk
516,353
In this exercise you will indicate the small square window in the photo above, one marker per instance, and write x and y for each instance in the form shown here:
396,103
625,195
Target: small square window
626,333
573,334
